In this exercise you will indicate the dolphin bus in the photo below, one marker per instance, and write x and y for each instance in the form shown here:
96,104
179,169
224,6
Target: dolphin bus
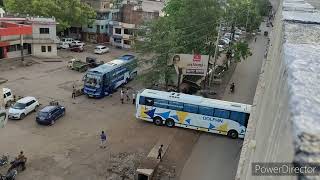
105,79
194,112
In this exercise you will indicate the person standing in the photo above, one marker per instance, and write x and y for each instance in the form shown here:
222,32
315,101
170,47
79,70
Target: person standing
73,92
160,152
103,140
133,97
255,39
121,96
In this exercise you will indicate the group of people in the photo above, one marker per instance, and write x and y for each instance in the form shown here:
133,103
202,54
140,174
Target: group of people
125,93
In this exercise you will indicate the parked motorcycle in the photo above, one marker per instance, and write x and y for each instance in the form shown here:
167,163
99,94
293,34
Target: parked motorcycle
11,175
4,160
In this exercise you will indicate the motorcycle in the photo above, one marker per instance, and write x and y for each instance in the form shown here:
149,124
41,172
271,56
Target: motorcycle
11,175
4,160
232,86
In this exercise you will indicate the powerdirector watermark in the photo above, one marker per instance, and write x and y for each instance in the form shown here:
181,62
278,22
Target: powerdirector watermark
285,169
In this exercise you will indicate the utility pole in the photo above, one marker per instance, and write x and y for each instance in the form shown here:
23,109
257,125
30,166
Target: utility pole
215,55
21,44
247,19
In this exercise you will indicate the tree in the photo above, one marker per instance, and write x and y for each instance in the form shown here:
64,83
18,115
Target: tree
186,28
66,12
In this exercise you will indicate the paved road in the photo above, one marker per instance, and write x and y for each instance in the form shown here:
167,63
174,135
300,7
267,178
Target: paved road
216,157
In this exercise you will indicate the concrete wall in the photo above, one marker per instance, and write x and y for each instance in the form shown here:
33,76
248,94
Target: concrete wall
284,124
37,51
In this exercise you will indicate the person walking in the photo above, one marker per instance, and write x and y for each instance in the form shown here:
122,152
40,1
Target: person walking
73,92
133,97
103,140
127,94
121,96
255,39
160,152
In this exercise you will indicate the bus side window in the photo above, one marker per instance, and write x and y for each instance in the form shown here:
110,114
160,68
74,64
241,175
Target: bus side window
221,113
190,108
160,103
175,105
246,119
149,101
206,111
235,116
142,100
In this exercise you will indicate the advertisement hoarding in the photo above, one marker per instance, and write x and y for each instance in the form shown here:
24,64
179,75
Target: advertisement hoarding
191,64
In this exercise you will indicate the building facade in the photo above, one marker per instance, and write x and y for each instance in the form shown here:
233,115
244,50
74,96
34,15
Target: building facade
132,15
100,30
38,39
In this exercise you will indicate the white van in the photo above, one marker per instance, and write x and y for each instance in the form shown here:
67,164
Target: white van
67,40
7,96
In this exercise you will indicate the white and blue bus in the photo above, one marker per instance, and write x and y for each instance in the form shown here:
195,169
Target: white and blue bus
104,79
193,112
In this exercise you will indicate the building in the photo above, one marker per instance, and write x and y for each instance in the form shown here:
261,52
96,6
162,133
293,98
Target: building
100,30
37,34
131,16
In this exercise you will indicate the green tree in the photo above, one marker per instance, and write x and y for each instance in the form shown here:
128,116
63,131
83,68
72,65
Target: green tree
66,12
186,28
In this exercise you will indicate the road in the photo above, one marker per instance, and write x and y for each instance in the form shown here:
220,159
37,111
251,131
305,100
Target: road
214,156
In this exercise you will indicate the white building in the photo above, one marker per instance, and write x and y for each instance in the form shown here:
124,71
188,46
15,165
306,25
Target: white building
44,37
37,34
133,14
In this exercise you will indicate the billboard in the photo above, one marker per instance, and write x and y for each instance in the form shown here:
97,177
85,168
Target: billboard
191,64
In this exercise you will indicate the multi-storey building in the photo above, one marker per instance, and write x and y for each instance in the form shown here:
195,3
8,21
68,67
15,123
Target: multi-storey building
36,35
133,14
100,30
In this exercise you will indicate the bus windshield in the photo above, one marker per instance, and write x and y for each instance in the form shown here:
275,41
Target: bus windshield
92,80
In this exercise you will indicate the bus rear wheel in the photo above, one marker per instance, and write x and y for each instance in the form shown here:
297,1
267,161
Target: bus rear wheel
233,134
157,121
170,123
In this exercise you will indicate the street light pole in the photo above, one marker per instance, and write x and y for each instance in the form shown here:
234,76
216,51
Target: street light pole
215,56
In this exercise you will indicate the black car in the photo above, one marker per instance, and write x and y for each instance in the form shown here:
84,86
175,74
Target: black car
49,114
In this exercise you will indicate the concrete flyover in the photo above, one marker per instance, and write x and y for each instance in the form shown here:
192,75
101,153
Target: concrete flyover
285,120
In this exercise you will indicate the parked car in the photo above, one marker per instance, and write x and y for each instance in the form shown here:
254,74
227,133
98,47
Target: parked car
63,45
77,48
227,35
67,40
224,41
238,32
50,114
76,42
101,49
7,96
23,107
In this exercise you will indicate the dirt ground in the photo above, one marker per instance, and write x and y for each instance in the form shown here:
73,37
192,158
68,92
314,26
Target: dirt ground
70,148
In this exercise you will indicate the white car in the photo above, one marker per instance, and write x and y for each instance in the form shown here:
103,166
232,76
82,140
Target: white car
63,45
76,42
227,35
101,49
238,32
225,41
67,40
7,96
23,107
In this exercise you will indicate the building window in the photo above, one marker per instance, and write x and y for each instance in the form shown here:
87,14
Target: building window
90,26
101,27
44,30
12,48
128,31
117,30
98,27
43,49
106,26
117,40
49,48
127,42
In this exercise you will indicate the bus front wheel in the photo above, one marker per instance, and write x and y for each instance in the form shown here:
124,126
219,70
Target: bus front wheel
157,121
170,123
233,134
